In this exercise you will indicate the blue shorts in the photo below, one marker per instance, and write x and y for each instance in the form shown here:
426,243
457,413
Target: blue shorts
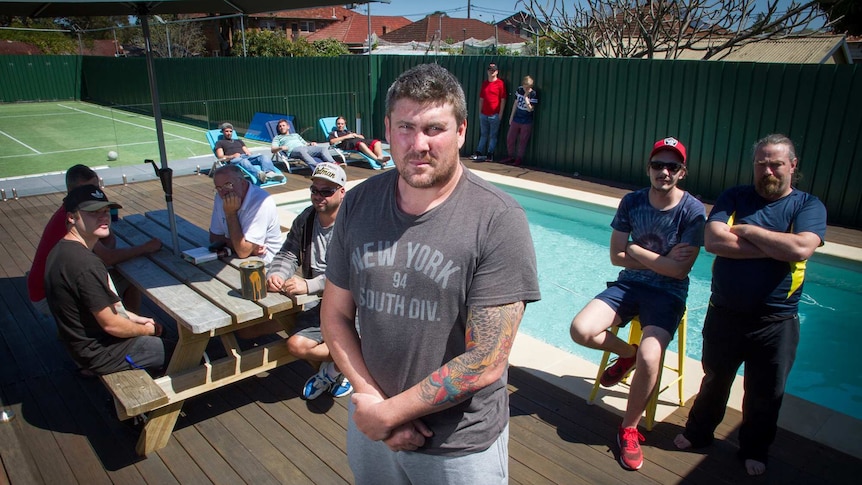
654,306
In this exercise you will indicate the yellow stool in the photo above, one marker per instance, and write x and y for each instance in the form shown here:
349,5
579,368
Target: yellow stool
635,334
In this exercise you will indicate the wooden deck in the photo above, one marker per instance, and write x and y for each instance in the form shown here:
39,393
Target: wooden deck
259,431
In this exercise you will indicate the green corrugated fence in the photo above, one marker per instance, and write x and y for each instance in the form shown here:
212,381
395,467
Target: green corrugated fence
596,117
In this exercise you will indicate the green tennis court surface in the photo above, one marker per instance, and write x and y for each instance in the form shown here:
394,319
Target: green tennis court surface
50,137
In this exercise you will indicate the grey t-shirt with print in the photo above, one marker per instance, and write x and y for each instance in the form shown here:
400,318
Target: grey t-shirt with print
413,279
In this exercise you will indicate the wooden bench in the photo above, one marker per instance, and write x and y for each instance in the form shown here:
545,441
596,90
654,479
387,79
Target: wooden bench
135,392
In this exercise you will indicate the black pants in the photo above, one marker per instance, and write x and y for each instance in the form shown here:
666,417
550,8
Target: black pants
767,346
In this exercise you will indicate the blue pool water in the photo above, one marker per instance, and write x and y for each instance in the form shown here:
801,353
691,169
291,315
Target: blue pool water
571,240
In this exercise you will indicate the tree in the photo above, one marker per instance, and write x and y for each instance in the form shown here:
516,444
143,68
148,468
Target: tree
667,28
43,33
845,15
269,43
173,38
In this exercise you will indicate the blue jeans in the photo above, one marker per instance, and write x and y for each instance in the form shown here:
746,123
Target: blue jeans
488,128
254,163
312,154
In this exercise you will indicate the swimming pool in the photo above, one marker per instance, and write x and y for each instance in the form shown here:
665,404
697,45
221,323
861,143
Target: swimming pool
571,240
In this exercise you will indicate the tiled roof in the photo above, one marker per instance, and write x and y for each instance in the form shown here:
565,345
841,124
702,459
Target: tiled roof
456,29
320,13
354,29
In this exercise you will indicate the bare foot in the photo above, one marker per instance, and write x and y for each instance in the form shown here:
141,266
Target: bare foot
754,467
383,159
682,442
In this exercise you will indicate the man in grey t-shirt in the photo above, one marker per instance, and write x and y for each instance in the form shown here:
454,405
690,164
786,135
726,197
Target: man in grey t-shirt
438,266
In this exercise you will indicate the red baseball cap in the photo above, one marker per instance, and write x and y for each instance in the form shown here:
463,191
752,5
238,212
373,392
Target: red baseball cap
669,143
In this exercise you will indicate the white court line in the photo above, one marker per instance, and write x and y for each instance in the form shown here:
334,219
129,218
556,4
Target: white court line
20,142
128,123
40,115
165,122
60,152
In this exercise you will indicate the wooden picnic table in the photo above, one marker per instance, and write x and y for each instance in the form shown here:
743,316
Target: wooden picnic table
206,301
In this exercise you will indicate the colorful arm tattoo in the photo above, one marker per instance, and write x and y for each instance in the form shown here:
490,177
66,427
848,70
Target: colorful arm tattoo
489,337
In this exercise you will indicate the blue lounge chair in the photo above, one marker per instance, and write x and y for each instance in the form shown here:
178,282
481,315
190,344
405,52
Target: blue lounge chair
296,163
213,136
327,125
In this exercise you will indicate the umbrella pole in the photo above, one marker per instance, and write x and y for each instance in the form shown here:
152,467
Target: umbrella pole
165,173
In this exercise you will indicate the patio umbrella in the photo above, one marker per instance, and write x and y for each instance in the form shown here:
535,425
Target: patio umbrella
143,9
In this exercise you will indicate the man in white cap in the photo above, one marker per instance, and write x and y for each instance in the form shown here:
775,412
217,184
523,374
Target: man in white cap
99,333
305,249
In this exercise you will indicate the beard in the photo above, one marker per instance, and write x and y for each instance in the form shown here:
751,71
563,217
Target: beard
769,187
435,174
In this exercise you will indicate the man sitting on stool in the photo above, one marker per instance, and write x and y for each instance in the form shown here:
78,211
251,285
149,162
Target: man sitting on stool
656,238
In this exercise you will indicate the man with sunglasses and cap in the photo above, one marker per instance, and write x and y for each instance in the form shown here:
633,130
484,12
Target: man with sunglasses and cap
305,249
99,333
657,234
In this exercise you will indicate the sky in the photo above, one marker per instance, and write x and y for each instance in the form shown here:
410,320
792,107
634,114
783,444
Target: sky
484,10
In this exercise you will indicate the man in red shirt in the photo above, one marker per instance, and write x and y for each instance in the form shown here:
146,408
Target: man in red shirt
492,97
55,230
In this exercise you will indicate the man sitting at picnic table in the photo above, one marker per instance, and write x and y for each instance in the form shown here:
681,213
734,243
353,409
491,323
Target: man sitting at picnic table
305,249
234,150
106,249
99,333
244,216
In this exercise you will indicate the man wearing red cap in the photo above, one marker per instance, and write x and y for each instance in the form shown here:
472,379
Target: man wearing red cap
657,233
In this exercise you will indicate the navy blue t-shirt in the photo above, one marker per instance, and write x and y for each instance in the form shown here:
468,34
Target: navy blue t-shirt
659,231
764,286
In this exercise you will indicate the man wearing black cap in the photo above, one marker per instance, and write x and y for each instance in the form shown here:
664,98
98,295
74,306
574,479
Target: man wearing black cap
657,233
100,334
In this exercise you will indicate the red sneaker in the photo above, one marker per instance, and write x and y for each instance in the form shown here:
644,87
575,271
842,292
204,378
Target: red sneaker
622,367
631,455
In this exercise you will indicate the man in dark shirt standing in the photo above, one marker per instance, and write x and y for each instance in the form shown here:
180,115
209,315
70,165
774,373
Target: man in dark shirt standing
762,236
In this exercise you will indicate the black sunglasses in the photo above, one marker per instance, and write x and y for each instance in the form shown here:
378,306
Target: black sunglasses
323,192
670,166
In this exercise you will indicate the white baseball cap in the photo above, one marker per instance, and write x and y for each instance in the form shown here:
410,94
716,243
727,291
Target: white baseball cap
331,172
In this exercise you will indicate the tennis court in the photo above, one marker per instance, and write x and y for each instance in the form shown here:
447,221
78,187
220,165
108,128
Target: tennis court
52,136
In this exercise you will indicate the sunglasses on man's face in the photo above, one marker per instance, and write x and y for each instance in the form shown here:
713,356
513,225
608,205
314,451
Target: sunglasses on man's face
670,166
323,192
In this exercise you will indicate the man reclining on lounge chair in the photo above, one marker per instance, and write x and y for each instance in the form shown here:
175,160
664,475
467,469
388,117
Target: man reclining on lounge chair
345,139
235,150
293,145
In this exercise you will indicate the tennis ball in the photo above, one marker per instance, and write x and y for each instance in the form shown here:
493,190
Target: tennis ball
112,155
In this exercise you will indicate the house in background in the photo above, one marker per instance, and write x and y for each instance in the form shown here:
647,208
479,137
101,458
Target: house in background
441,31
820,49
520,24
353,30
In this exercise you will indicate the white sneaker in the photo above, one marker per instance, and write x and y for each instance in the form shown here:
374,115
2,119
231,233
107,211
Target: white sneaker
274,176
318,383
